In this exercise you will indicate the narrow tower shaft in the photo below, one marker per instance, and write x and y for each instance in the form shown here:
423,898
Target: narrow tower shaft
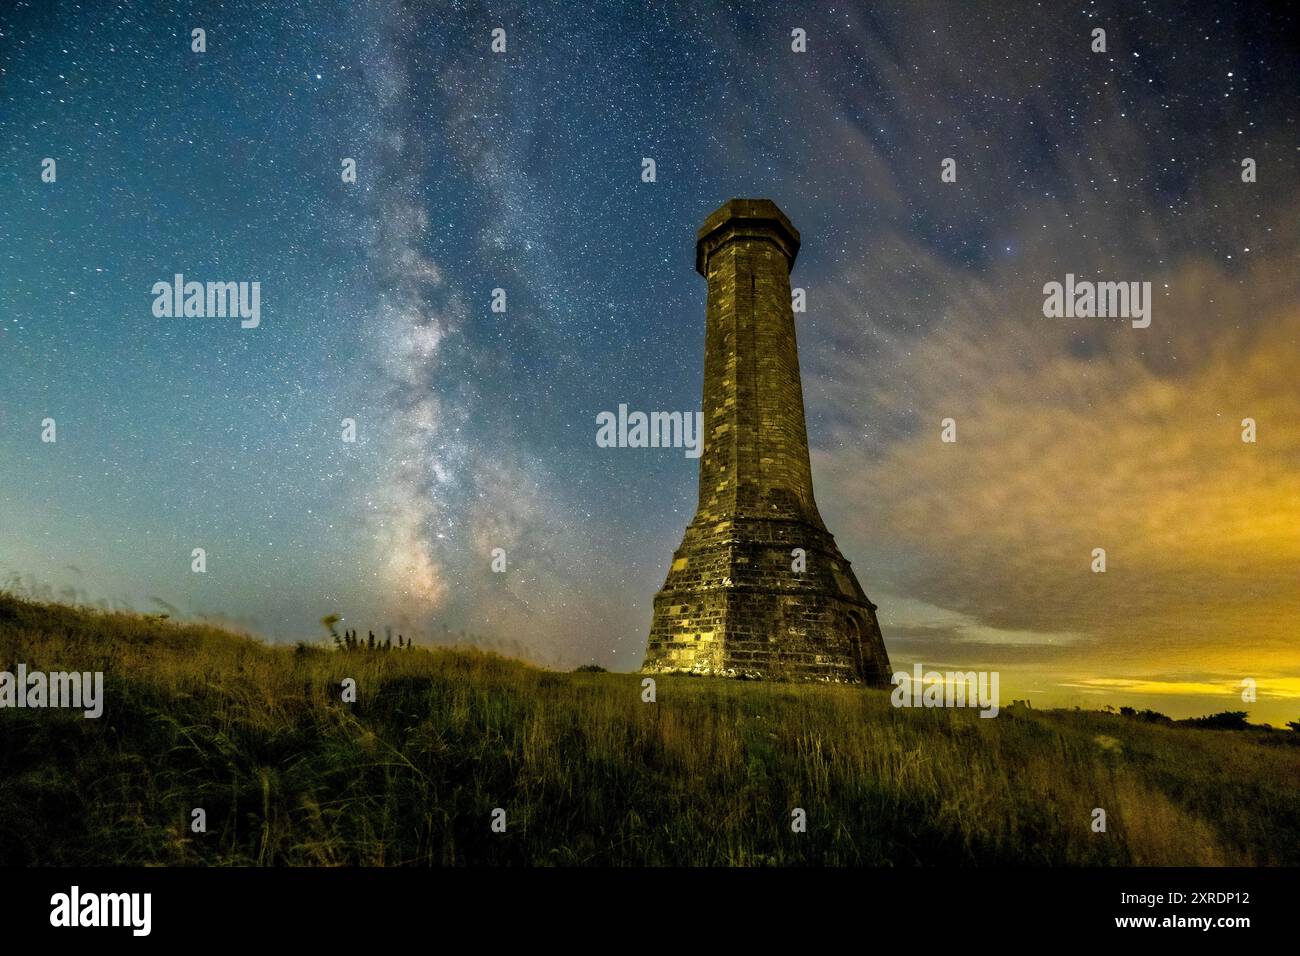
755,460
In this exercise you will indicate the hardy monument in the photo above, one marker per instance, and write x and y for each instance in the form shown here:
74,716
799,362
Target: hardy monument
758,588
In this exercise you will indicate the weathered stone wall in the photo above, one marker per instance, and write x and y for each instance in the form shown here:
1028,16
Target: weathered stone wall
732,604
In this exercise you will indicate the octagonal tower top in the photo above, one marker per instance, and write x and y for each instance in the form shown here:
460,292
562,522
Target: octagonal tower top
745,218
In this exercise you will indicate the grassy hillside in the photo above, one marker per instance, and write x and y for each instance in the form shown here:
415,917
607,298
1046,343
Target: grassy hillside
587,772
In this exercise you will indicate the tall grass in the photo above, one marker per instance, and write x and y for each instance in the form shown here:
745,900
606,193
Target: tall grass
587,773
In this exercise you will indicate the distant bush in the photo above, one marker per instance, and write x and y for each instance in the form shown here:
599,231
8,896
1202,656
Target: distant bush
1228,720
1150,716
589,669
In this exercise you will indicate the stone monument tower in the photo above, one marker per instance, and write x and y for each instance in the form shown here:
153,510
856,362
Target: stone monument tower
758,588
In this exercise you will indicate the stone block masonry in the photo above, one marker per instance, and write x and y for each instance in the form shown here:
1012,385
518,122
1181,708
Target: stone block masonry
734,604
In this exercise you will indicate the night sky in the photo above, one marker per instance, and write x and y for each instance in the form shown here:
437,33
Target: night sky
523,171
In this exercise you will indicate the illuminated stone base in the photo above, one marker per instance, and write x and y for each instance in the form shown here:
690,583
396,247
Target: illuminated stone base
733,606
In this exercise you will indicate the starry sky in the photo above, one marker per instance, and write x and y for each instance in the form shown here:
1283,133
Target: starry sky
522,171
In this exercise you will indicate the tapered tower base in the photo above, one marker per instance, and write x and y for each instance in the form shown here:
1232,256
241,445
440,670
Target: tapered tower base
734,607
